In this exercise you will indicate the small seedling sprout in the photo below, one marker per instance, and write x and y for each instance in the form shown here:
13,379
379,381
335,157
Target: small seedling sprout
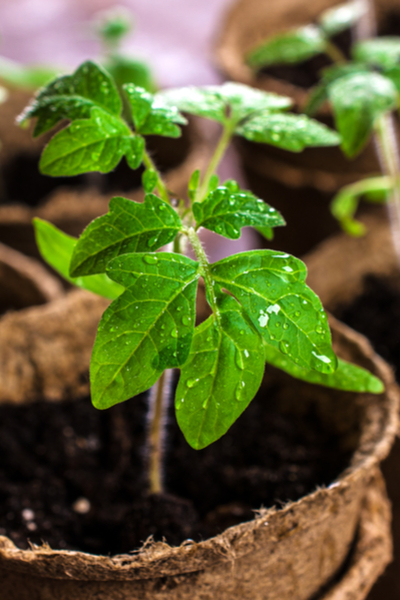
363,92
261,308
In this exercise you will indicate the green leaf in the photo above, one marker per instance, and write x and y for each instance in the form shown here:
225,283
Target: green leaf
271,288
150,115
25,76
213,183
194,183
341,17
128,227
149,328
382,51
266,232
230,102
227,210
393,73
288,131
316,99
56,247
358,100
73,97
291,47
347,377
221,377
95,144
127,70
149,180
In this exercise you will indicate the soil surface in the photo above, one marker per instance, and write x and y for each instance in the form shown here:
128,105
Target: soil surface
73,476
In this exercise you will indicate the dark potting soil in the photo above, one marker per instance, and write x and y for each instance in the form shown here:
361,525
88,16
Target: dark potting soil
376,314
22,181
307,73
73,476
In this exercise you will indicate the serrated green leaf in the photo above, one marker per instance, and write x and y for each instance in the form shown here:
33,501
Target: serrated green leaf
56,247
227,209
271,288
73,97
127,227
358,100
150,115
341,17
381,51
291,47
288,131
225,103
347,377
220,378
194,183
149,180
95,144
147,329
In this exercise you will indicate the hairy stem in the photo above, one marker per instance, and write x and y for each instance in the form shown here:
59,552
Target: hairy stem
158,400
162,190
388,152
215,160
205,267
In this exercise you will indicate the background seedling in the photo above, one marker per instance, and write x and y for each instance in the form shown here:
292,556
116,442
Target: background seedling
362,91
261,308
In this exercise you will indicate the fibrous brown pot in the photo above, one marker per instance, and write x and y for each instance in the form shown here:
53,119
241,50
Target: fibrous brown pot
24,281
301,184
71,203
331,542
338,270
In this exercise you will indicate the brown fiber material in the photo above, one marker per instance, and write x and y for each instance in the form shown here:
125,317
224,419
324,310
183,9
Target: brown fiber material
72,207
301,185
24,281
283,553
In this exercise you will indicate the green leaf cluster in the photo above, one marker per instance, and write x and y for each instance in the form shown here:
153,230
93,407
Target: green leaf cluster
261,308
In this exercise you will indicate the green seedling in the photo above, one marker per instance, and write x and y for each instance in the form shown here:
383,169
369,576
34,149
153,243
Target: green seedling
363,92
261,308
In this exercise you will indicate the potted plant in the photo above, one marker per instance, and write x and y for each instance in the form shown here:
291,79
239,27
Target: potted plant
316,176
261,311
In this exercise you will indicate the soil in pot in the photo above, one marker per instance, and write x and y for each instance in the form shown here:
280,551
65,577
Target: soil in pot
73,476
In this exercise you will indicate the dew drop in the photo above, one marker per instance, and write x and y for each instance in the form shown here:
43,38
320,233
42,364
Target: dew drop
285,326
241,332
192,382
185,320
319,329
150,259
174,333
297,313
239,360
284,347
152,241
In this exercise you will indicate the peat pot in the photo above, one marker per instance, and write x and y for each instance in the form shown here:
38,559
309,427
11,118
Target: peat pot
331,543
301,185
72,202
358,279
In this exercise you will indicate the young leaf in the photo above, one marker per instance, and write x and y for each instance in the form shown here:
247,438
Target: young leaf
271,288
56,247
149,180
358,100
347,377
288,131
291,47
221,377
150,115
316,98
127,227
382,51
227,210
338,18
127,70
95,144
194,183
230,102
73,97
149,328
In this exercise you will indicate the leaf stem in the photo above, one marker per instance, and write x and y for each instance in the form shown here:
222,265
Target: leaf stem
334,53
219,152
158,401
205,268
162,190
388,153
